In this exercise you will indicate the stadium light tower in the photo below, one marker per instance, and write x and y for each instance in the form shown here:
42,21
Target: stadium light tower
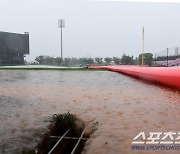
61,24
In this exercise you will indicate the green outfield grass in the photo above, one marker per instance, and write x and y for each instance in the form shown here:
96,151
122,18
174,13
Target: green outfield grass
58,69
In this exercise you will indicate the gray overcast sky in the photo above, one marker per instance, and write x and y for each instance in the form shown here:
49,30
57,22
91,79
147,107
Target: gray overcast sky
93,28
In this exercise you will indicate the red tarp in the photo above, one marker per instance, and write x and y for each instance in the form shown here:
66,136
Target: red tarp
168,76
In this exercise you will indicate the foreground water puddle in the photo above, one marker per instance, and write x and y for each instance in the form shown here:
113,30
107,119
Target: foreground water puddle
115,111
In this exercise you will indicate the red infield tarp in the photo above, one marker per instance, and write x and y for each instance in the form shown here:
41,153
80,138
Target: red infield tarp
168,76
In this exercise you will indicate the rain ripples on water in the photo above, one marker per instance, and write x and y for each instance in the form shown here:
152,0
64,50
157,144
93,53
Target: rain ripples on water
119,105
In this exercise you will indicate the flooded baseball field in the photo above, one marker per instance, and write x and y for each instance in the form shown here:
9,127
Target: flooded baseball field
120,106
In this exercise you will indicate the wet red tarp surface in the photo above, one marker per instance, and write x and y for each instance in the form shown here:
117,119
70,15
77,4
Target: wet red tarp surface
168,76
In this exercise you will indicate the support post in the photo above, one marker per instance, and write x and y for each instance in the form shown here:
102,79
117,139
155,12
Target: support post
167,56
61,45
143,46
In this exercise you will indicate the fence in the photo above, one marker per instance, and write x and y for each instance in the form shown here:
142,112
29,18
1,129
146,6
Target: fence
168,57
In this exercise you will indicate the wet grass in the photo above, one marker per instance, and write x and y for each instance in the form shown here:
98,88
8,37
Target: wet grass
59,125
56,69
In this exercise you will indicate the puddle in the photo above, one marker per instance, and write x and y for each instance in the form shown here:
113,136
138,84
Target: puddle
122,106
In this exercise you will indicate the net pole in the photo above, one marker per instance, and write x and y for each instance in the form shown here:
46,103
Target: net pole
142,46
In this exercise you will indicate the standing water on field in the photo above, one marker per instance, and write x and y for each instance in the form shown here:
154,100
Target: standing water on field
120,106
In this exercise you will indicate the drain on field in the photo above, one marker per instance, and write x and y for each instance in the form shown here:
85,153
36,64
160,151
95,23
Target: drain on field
66,135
